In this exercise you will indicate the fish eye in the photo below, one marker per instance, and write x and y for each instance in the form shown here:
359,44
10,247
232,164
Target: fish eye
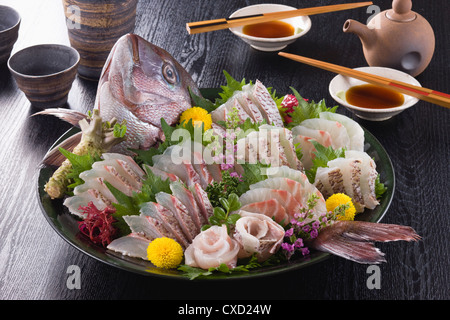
169,73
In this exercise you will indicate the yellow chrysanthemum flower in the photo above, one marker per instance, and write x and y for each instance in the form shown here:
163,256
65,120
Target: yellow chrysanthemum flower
198,116
165,253
339,199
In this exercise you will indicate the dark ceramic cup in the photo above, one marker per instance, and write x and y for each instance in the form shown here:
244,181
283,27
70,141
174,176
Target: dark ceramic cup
94,26
9,31
45,73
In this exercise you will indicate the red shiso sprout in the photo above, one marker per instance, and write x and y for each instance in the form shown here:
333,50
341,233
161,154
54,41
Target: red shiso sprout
98,224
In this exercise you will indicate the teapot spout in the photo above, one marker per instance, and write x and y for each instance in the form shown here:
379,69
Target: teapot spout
365,34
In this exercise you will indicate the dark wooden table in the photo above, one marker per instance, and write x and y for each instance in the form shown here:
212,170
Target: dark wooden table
34,260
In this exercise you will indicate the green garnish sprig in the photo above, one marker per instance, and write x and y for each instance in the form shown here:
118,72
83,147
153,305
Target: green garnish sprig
226,213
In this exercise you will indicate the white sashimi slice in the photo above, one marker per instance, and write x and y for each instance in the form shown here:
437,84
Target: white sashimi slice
253,148
300,192
159,173
321,136
300,177
287,172
307,149
355,132
74,203
338,133
286,199
130,162
114,171
287,143
131,245
180,212
211,248
350,170
201,197
96,183
222,112
184,171
234,104
257,234
329,181
188,200
147,227
264,101
219,114
353,175
168,220
120,171
368,177
249,106
303,136
271,208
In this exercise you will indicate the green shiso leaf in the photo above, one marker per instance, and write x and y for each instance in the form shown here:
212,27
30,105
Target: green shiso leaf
307,110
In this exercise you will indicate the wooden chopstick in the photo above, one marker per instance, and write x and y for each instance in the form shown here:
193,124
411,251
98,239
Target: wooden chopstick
432,96
225,23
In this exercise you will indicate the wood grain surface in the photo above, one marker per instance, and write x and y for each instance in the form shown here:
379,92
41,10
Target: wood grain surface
34,259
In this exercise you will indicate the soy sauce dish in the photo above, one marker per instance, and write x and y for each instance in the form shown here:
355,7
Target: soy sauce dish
300,26
341,86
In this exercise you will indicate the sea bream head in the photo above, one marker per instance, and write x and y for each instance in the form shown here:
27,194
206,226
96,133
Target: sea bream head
142,83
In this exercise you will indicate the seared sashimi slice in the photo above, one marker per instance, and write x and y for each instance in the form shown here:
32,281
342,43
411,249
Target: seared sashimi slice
132,245
286,199
168,220
180,212
271,208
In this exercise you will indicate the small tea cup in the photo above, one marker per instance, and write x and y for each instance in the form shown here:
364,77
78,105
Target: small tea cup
9,31
45,73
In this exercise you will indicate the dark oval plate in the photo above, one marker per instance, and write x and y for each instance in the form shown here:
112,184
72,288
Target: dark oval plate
66,224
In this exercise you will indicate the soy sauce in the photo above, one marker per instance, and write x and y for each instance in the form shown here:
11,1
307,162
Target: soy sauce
271,29
373,97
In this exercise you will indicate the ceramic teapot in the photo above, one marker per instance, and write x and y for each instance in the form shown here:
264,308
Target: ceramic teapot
397,38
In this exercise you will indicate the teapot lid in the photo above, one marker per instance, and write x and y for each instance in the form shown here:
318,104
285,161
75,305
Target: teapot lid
401,11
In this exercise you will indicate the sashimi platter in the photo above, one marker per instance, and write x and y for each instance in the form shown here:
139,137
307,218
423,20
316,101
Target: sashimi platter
163,178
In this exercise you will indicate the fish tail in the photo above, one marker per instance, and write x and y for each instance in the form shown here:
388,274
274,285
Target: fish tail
71,116
54,157
354,240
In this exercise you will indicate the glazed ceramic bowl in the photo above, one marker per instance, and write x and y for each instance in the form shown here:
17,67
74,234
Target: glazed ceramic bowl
9,31
340,84
301,26
45,73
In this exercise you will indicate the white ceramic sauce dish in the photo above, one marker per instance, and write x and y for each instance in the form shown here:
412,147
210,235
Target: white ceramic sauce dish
340,84
301,24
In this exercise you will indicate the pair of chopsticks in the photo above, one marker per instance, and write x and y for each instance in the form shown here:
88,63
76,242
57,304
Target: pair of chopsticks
432,96
225,23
